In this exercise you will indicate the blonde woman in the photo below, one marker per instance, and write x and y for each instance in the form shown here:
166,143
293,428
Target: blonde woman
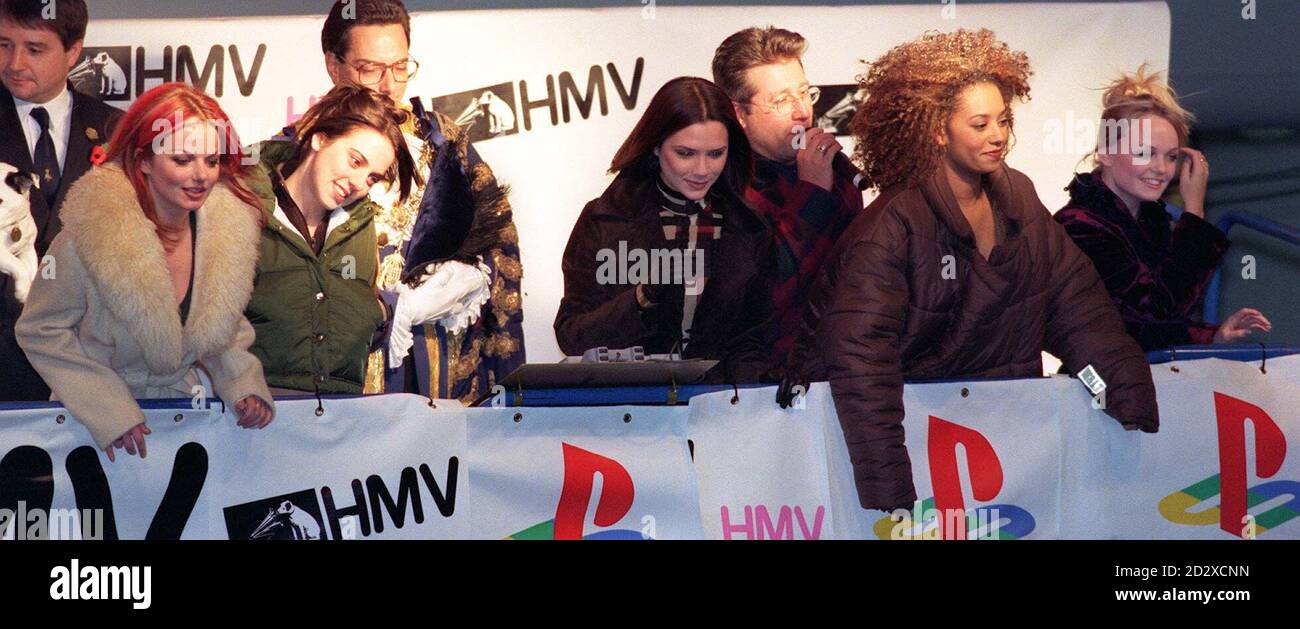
1155,268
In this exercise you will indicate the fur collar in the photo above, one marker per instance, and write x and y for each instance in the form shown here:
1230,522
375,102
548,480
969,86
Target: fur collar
128,268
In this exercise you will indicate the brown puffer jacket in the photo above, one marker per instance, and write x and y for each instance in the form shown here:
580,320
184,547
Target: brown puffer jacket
884,312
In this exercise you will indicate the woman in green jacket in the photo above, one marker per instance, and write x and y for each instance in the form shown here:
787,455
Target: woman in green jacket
315,308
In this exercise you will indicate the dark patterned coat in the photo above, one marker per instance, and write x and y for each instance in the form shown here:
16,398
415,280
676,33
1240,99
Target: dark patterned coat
464,365
806,221
1155,269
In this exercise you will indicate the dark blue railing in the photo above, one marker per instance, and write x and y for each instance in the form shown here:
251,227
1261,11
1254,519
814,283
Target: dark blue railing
1243,352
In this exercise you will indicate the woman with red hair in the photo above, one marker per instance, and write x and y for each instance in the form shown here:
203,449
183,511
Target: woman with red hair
145,291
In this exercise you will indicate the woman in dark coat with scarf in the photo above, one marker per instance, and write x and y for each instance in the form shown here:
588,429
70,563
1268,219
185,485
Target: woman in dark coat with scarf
956,270
669,257
1155,269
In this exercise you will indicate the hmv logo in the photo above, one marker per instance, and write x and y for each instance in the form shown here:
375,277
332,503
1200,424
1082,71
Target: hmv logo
375,504
121,73
374,508
755,522
507,108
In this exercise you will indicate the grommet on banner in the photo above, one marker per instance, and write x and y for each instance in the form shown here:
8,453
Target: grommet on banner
178,418
518,417
627,418
1263,358
60,419
965,392
320,404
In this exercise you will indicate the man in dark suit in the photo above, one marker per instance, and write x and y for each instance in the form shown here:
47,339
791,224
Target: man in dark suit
47,128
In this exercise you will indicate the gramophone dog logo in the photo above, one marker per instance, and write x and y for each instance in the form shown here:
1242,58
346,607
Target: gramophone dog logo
836,107
104,72
944,515
483,113
293,516
1231,484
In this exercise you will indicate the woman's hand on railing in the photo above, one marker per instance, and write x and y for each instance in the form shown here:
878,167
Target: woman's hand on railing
253,412
1240,324
132,440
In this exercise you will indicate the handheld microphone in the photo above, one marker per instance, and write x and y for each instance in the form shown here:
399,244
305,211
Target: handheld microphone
844,167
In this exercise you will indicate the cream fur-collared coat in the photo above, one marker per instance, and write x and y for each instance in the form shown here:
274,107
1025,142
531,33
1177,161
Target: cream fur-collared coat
104,329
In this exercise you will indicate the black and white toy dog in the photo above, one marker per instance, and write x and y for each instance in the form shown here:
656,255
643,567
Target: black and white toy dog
17,230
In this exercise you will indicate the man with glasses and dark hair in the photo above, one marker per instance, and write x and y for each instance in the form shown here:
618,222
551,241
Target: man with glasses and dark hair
47,128
795,188
450,253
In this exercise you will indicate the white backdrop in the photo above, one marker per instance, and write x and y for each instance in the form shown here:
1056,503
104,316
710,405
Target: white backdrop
1033,451
556,168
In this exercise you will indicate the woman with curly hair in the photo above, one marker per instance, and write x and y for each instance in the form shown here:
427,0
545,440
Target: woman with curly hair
956,270
1155,269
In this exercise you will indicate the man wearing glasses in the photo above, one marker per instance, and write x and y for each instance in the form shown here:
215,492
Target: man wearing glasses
461,329
796,189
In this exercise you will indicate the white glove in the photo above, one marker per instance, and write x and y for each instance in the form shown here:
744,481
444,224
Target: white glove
450,293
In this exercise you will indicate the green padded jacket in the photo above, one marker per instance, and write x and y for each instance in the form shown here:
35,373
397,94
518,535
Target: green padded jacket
315,316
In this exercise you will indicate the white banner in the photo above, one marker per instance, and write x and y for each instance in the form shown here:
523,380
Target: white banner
983,452
1225,463
50,470
389,467
535,474
986,454
762,469
552,94
1030,459
1020,459
1285,369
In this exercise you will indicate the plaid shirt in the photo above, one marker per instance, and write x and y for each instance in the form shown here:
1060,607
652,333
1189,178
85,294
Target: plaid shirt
807,221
